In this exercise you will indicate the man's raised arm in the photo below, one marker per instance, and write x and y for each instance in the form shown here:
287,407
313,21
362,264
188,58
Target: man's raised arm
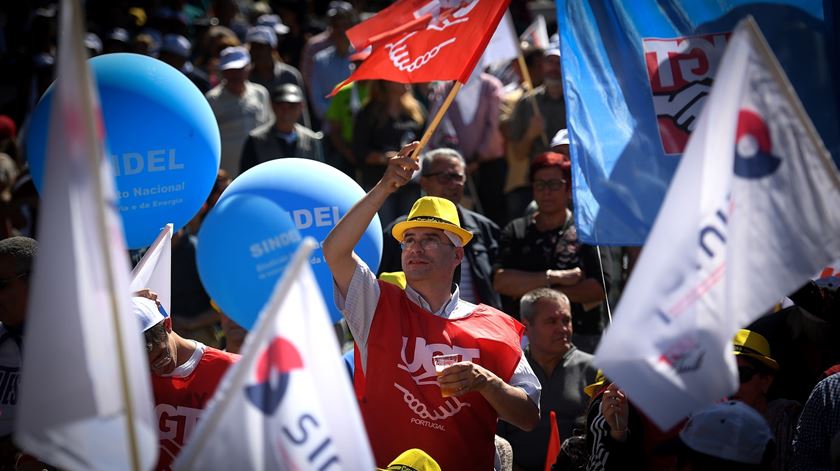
338,247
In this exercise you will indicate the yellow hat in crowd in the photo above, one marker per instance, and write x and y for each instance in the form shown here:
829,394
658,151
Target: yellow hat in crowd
599,381
413,460
394,277
435,213
753,345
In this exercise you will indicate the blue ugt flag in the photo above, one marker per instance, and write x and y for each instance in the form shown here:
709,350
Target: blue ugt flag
636,75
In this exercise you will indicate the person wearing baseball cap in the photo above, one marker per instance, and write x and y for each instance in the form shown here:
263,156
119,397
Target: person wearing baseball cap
185,374
404,328
239,105
285,137
268,69
726,436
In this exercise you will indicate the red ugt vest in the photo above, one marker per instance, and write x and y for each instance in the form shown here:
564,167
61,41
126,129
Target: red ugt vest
180,401
398,393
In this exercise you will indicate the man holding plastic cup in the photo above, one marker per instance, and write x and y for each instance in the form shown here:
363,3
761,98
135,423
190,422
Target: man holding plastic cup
398,332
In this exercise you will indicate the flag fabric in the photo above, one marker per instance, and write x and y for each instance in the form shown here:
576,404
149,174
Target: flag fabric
85,399
636,75
503,46
536,34
554,443
756,193
288,402
444,41
154,270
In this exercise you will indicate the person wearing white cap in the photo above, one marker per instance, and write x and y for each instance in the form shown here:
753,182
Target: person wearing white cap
530,133
453,417
726,436
185,374
240,106
175,50
269,70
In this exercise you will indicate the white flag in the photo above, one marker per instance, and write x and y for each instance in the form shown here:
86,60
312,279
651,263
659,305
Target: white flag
85,399
536,34
154,270
503,44
288,403
755,197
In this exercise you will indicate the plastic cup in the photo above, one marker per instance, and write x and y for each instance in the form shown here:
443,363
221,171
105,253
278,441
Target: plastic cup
442,362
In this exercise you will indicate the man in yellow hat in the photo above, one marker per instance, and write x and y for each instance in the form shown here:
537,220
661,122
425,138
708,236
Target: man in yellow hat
397,332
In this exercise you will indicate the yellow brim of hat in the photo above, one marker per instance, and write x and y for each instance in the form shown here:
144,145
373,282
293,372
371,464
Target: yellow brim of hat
400,228
590,390
767,361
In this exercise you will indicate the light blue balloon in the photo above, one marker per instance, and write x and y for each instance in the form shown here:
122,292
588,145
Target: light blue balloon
244,245
317,196
162,138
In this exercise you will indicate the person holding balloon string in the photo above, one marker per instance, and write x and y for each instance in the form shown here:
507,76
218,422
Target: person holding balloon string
401,402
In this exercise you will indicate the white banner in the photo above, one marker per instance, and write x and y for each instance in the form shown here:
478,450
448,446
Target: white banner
85,399
288,403
755,197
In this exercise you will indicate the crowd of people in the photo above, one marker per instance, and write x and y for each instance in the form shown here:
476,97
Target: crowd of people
481,257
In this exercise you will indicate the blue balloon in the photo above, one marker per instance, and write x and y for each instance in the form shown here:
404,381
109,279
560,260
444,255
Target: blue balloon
317,196
162,138
244,245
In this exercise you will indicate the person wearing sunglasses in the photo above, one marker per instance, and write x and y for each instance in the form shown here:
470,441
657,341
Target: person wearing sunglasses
756,371
17,254
185,374
443,176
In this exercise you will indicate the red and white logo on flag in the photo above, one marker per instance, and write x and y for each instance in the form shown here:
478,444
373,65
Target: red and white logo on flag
422,41
681,71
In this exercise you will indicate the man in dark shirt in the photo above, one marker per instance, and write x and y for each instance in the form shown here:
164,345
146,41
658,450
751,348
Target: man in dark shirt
284,137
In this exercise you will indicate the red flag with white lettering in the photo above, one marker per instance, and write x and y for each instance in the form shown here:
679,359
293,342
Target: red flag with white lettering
415,41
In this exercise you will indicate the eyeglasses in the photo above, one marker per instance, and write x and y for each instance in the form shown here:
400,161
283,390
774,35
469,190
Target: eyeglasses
746,373
447,177
553,185
429,243
6,282
156,335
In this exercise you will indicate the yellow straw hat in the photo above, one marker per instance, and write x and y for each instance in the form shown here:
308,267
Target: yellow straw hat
435,213
754,345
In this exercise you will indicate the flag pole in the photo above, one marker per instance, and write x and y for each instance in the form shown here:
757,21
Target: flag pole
94,162
436,120
529,86
256,338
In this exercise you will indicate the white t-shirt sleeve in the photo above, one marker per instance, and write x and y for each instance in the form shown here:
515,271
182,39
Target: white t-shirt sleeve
359,306
525,378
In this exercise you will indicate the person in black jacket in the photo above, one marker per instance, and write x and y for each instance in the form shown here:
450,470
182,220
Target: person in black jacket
443,175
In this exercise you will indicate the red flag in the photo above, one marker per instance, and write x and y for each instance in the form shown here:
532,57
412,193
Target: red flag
553,443
418,41
390,20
